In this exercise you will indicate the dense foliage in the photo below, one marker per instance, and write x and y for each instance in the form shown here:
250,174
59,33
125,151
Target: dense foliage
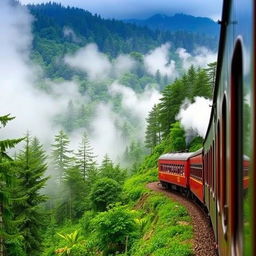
65,203
112,36
161,121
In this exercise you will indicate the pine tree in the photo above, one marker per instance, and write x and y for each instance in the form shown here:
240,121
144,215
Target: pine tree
190,81
70,117
177,138
109,170
61,154
169,106
153,131
31,168
76,191
85,157
211,71
8,229
202,85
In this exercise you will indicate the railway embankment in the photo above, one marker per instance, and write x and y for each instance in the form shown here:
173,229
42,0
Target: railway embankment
203,241
166,226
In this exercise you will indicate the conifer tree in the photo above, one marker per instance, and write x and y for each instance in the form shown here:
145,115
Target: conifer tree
190,82
61,154
8,229
76,192
177,138
85,159
31,168
70,116
202,85
211,71
109,170
169,106
153,131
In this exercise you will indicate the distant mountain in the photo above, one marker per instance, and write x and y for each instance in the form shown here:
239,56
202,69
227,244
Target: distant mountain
60,30
179,22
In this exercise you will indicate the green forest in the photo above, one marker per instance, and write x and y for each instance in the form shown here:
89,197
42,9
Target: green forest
112,37
83,208
61,200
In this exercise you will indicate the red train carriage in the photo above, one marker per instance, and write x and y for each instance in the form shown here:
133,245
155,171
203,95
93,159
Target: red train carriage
196,184
246,165
227,184
173,168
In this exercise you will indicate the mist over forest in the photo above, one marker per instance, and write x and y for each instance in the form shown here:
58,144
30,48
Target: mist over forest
119,90
100,89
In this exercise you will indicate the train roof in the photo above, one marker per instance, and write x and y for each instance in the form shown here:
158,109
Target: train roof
198,152
175,156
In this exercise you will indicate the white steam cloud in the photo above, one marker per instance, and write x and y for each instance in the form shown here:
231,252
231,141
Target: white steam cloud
158,60
200,58
194,117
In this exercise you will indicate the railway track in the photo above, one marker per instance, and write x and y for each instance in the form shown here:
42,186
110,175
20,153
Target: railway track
203,242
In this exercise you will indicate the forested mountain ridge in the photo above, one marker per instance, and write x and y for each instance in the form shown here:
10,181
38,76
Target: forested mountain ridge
179,22
59,30
86,195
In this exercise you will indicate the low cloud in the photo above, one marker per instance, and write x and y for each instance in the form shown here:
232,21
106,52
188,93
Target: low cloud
97,65
91,61
34,109
194,117
105,136
122,64
17,76
200,57
69,33
158,60
138,105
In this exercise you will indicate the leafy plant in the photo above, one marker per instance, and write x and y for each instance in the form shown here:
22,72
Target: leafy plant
72,240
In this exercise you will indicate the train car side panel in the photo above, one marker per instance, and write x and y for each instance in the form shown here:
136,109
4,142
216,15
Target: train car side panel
196,176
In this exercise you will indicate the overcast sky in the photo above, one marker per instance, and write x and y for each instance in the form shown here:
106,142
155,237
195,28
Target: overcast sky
123,9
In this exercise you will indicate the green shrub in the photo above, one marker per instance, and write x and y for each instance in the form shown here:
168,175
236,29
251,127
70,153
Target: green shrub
104,192
114,227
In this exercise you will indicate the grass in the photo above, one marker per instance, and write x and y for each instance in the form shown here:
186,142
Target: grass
168,230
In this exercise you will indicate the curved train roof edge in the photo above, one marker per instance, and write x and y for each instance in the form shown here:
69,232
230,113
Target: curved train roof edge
175,156
198,152
180,156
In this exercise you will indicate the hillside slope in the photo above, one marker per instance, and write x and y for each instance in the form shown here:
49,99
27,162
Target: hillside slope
60,30
179,22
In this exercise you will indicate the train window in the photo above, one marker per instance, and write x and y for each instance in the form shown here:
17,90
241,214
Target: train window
207,168
218,166
213,169
173,169
196,171
237,158
223,161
